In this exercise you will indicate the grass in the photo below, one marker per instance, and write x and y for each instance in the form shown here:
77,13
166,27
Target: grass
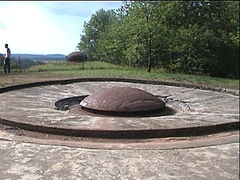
60,70
67,66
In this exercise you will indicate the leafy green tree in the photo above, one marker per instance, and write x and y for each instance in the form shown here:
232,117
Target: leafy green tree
190,37
93,30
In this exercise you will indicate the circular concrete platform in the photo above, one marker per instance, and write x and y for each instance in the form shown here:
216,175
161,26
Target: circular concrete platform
198,111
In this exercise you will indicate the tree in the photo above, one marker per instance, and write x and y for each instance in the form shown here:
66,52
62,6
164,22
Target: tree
190,37
93,30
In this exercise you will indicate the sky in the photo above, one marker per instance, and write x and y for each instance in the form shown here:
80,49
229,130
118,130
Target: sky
46,27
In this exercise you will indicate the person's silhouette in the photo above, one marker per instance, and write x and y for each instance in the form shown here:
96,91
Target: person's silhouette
7,60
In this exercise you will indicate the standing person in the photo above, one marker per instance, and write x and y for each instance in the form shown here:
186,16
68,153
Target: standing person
7,60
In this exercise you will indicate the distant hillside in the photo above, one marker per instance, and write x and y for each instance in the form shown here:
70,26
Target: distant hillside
39,57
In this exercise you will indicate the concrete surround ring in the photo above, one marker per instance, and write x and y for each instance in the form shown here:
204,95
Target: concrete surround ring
199,111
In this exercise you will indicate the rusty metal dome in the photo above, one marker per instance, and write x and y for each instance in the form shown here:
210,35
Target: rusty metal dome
123,100
76,57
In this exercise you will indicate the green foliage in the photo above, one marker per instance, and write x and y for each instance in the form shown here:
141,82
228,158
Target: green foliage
14,65
93,30
184,37
26,63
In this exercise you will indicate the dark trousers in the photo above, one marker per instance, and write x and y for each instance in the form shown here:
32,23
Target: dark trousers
7,65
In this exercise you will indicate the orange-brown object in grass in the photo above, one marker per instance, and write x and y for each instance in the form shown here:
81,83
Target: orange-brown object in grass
76,57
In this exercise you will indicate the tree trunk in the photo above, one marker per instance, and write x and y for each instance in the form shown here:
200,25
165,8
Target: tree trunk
150,53
147,15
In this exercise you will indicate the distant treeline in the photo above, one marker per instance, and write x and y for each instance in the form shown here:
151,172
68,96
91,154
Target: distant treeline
189,37
20,64
23,61
40,57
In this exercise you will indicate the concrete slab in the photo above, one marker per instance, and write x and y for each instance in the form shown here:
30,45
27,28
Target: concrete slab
25,161
194,107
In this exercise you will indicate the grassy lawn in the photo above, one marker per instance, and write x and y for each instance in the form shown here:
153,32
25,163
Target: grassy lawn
62,70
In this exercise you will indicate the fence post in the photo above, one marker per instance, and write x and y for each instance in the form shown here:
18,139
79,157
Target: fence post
20,65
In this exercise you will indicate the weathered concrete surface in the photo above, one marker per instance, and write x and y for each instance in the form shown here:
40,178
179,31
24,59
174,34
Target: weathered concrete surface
25,161
194,107
30,161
